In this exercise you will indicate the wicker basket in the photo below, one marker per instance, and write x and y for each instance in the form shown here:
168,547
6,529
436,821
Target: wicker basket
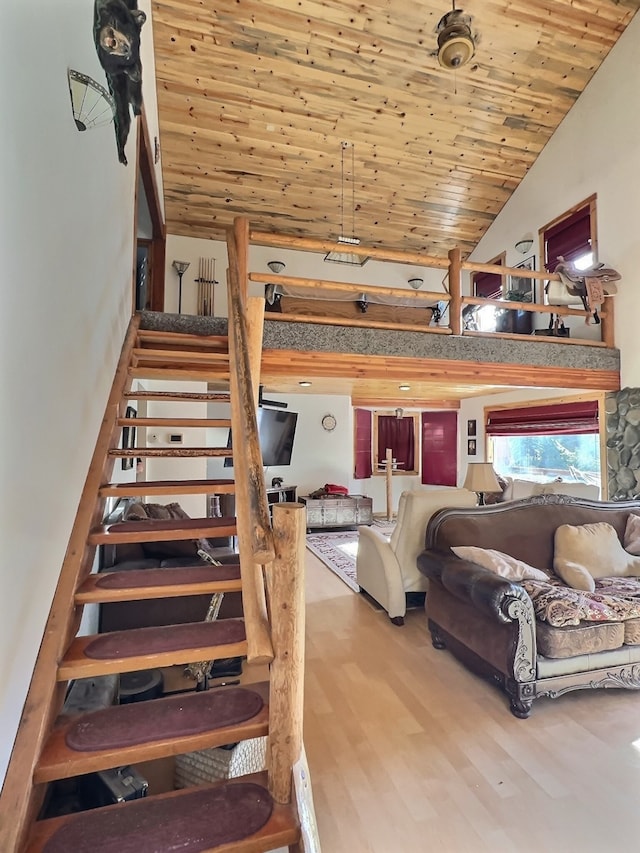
207,765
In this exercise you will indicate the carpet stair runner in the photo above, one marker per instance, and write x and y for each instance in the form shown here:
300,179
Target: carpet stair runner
137,584
238,815
127,734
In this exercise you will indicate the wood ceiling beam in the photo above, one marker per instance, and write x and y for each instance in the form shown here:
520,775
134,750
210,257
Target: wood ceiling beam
306,365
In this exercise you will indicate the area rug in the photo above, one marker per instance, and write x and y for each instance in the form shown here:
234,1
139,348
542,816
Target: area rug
338,552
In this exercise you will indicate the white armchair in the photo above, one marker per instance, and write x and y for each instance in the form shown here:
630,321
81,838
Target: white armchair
387,570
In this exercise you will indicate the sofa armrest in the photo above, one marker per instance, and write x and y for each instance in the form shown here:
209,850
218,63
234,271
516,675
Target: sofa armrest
378,571
476,585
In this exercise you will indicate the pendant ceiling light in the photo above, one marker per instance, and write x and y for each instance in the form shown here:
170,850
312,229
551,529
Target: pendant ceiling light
456,43
340,256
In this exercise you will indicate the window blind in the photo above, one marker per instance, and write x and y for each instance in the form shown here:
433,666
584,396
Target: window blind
578,418
570,238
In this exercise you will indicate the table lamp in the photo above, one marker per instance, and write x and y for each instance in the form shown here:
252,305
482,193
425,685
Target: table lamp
481,478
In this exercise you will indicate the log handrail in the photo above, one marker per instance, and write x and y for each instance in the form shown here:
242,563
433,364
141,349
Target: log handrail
255,537
351,287
532,307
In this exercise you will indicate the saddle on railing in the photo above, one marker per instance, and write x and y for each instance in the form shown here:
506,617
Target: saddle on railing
589,286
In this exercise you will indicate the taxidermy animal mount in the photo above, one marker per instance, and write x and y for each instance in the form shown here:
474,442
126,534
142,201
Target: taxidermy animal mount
116,33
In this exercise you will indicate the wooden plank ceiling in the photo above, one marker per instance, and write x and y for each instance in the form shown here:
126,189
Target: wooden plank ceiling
256,96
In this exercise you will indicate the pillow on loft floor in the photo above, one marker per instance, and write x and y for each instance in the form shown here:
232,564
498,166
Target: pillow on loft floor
632,535
500,564
584,552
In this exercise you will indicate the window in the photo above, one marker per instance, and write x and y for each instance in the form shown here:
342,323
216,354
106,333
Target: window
489,286
542,443
572,237
400,434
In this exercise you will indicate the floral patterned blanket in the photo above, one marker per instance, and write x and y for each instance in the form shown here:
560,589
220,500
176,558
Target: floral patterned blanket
614,600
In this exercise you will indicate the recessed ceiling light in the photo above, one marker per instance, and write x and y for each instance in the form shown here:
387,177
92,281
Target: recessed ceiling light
404,387
304,384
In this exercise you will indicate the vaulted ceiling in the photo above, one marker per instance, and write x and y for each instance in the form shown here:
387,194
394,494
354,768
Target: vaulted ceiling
256,98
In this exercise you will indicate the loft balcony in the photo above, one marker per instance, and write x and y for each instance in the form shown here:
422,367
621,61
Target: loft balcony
364,337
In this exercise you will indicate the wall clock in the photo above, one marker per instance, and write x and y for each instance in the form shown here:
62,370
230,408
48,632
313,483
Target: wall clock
329,422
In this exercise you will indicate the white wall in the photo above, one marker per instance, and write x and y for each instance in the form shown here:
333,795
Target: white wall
595,150
177,468
67,255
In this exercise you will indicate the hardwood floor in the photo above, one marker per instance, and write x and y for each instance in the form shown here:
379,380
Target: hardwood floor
410,752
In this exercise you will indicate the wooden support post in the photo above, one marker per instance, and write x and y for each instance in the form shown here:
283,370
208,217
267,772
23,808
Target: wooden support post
285,583
255,331
455,289
608,318
241,234
389,482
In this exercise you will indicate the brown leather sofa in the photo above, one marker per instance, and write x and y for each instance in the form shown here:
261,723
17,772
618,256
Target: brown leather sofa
490,623
123,615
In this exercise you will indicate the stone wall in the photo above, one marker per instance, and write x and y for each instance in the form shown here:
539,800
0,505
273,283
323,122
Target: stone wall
623,443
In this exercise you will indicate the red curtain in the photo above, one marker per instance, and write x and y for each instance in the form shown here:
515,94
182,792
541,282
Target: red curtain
362,450
578,418
439,448
396,433
570,238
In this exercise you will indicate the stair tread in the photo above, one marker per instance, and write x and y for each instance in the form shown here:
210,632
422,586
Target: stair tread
180,373
185,820
199,423
147,648
185,452
137,584
163,530
149,337
142,731
168,487
174,355
181,396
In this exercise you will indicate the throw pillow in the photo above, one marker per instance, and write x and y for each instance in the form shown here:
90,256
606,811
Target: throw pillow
587,551
500,564
161,512
632,535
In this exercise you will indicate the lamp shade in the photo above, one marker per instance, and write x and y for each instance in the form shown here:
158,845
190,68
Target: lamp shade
481,478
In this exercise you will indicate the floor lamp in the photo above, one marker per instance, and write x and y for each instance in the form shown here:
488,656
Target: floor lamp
481,478
180,267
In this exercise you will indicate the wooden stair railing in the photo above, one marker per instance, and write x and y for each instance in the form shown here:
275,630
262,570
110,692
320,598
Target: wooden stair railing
268,563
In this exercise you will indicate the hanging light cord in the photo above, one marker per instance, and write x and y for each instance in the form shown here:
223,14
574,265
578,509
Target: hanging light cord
342,147
353,190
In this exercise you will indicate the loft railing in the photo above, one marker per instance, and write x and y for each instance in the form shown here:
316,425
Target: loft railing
454,296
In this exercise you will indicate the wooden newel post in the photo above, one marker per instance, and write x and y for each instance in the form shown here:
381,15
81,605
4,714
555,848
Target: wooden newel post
285,582
455,289
608,334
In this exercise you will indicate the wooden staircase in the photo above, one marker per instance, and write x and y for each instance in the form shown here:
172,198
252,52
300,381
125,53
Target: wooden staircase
246,814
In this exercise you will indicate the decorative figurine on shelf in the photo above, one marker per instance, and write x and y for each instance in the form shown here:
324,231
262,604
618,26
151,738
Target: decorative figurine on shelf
116,33
276,483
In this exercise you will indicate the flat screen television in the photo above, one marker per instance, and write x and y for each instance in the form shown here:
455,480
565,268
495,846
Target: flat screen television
276,431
